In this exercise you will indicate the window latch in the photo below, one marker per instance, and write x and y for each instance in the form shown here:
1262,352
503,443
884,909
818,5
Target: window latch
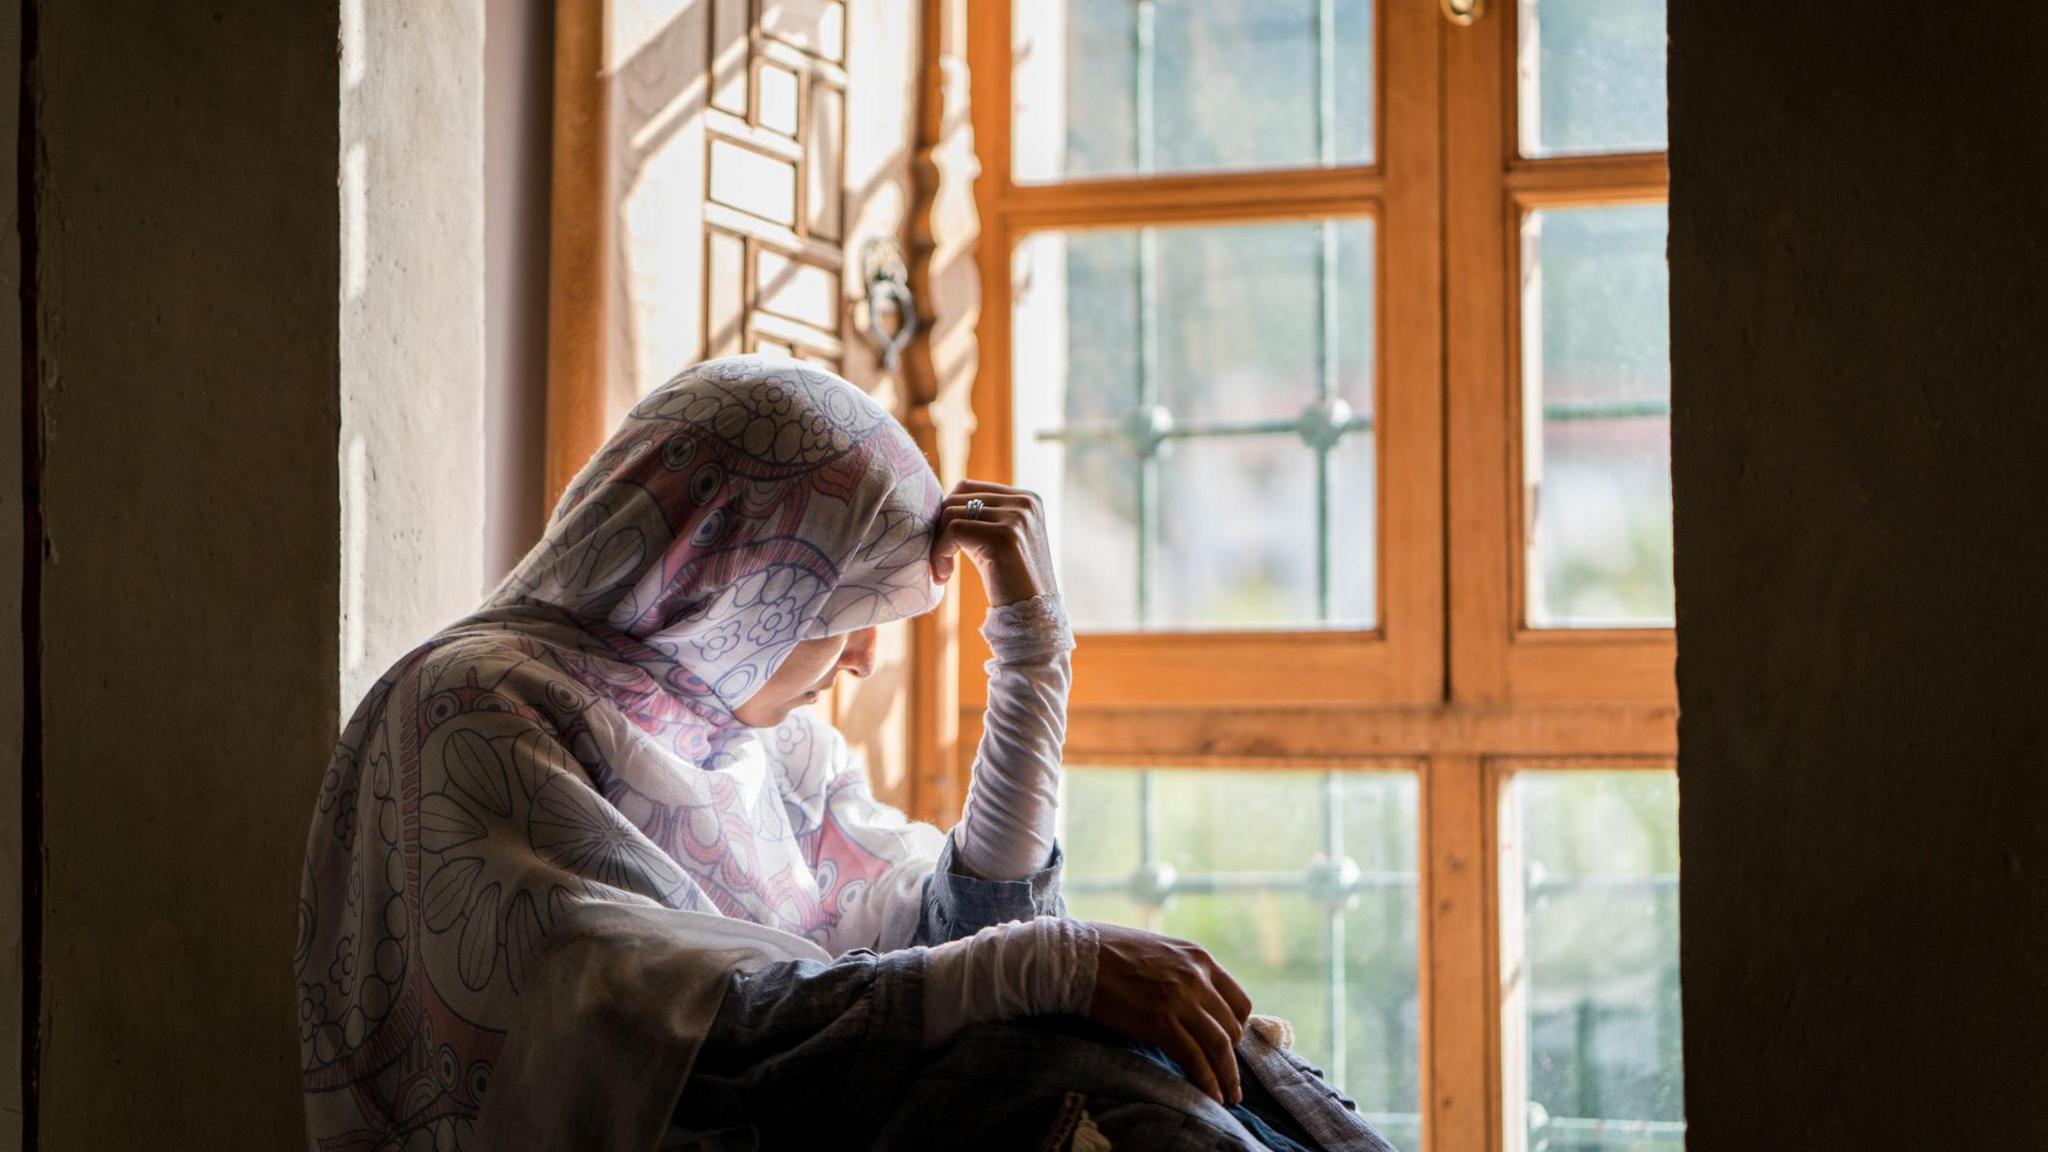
888,292
1463,12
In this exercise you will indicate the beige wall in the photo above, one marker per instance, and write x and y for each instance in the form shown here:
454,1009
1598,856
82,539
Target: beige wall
1859,280
189,372
260,306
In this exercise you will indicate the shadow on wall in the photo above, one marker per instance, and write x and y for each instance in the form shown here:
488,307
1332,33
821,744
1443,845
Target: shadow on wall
518,134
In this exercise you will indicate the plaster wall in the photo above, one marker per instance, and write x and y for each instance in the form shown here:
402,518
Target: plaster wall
233,353
412,324
1860,390
188,261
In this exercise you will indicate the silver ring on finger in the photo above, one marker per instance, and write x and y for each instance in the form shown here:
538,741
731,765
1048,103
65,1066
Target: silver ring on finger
974,508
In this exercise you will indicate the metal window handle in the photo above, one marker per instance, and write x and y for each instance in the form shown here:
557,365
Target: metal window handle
1463,12
888,280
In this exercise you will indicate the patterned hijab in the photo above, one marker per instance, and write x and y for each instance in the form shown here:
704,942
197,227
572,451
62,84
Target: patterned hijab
741,508
544,840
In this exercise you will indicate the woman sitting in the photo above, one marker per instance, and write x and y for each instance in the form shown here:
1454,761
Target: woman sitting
585,875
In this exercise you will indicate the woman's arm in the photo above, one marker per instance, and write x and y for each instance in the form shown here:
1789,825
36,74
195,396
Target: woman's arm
903,884
819,1055
803,1039
1006,828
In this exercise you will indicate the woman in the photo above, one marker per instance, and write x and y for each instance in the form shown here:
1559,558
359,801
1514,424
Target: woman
584,875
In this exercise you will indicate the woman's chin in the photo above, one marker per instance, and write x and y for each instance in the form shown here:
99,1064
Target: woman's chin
758,714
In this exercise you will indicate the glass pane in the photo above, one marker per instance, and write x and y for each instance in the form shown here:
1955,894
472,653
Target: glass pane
1275,873
1597,400
1253,570
1131,87
1592,76
1594,859
1195,404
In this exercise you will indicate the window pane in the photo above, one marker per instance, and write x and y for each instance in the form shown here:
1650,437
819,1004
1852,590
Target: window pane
1597,392
1591,860
1195,404
1128,87
1274,872
1592,76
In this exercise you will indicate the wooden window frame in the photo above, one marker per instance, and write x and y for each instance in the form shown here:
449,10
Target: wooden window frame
1450,681
1401,659
1489,189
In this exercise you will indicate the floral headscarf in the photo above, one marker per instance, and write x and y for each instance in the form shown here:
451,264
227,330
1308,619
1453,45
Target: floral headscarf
741,508
544,839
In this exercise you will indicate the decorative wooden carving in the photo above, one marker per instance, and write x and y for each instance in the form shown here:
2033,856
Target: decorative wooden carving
939,371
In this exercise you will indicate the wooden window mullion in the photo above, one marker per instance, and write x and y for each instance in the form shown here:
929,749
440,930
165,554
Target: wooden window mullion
1459,1096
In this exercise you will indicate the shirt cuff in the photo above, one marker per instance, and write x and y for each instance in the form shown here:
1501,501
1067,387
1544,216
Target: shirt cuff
957,905
1028,630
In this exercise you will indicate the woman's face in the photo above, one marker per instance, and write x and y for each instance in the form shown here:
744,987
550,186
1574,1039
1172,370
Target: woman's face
810,669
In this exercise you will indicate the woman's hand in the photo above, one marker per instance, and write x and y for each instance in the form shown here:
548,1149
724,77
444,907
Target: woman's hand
1006,541
1167,992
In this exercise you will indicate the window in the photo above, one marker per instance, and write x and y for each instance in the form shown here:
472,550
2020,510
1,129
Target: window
1333,335
1304,882
1165,359
1589,956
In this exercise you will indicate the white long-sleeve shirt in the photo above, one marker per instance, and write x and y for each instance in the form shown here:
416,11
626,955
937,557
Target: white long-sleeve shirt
1006,831
1007,824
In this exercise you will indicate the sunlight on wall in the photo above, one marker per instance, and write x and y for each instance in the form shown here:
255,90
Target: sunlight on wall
355,503
354,46
355,222
411,333
658,54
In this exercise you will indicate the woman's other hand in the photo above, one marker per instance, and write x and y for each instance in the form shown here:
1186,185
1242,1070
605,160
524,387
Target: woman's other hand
1170,993
1006,540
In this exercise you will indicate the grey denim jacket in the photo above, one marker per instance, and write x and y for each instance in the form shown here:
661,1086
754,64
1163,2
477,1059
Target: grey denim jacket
811,1055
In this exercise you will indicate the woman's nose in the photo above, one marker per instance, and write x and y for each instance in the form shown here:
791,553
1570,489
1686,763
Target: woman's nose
859,656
